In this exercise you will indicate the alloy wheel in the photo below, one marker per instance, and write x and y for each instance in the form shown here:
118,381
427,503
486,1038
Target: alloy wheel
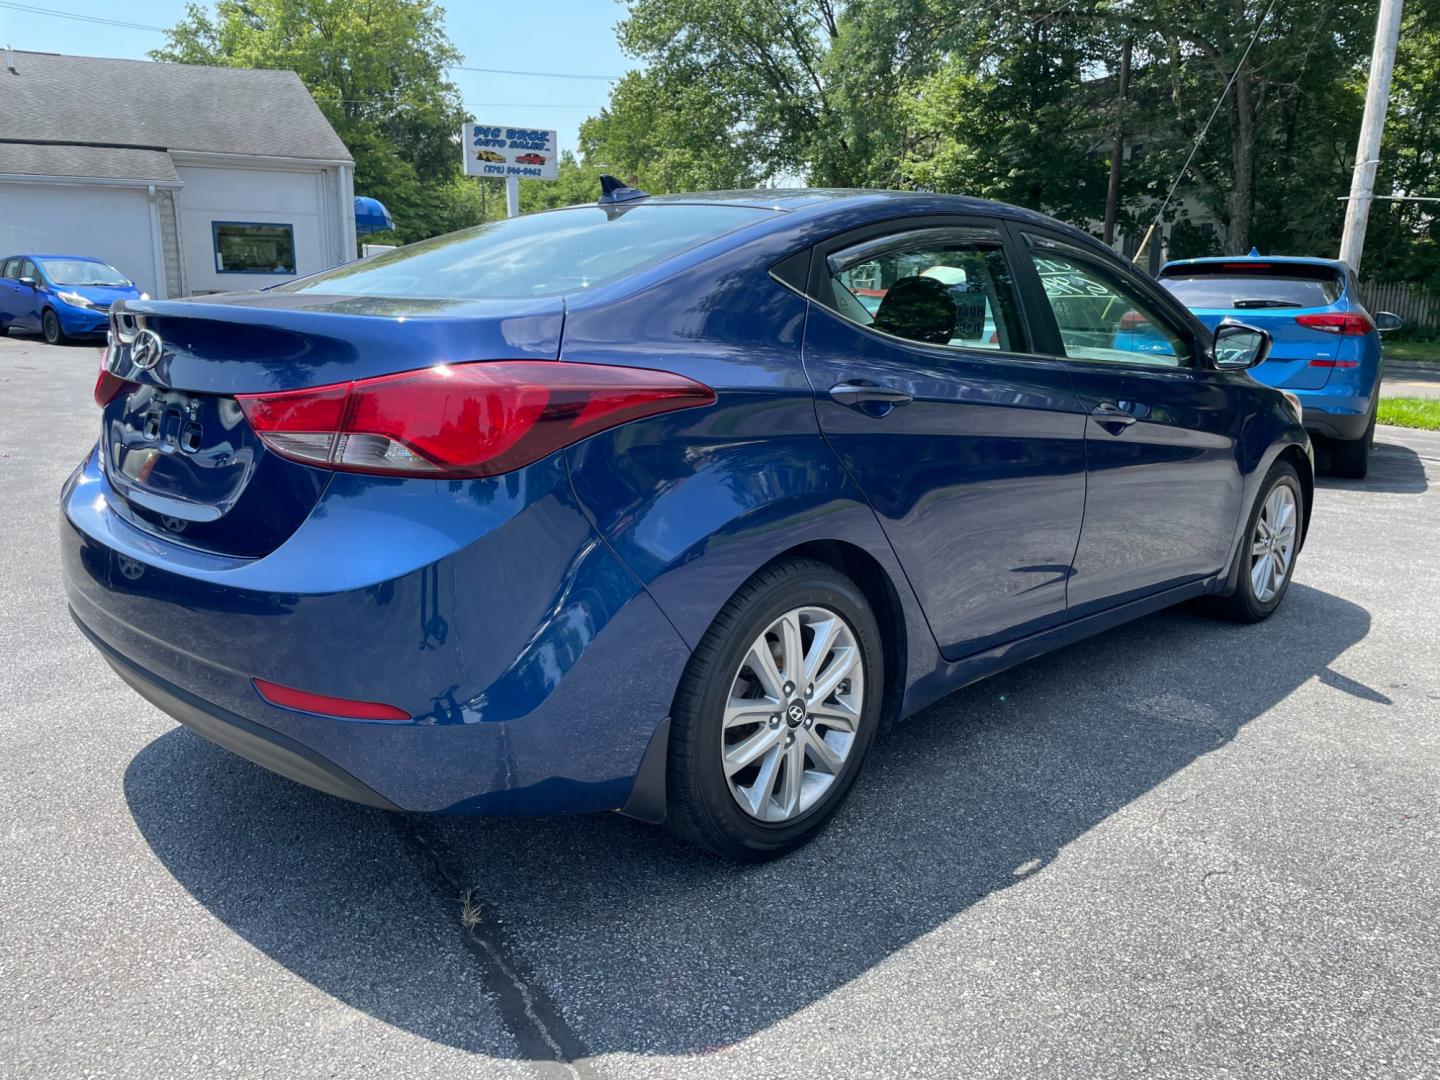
1272,547
793,713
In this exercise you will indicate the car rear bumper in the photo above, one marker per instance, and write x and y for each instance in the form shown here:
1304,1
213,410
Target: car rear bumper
1335,416
534,667
250,740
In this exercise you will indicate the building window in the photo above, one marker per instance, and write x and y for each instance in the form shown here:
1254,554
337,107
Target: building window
246,247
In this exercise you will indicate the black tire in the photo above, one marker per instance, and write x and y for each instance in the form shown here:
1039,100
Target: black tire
1242,605
701,806
1351,458
50,327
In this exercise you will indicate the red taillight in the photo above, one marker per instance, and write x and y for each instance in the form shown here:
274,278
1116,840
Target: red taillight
1133,320
1345,323
289,698
107,386
1335,363
476,419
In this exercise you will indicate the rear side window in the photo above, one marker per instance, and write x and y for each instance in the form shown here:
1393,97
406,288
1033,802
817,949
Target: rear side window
12,268
940,286
1242,286
547,254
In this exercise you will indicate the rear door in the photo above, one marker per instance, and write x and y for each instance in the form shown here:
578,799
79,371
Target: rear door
1274,296
1164,484
970,450
9,294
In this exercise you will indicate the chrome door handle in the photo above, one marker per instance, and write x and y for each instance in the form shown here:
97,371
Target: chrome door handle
861,393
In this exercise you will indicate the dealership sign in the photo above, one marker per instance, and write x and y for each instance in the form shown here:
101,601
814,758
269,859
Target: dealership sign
502,150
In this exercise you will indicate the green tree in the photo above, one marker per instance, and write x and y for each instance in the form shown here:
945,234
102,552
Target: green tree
1402,242
377,70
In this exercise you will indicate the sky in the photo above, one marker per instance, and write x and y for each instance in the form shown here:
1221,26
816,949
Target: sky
572,37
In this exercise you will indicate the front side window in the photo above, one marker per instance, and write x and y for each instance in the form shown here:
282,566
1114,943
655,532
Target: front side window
27,270
941,286
1100,316
252,248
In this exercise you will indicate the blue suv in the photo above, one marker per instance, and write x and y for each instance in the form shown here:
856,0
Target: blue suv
61,296
1326,346
640,506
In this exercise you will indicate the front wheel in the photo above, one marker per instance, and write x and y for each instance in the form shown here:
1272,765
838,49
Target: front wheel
50,327
775,713
1272,541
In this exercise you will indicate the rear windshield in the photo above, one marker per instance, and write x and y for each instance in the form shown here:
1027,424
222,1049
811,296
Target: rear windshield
1231,285
537,255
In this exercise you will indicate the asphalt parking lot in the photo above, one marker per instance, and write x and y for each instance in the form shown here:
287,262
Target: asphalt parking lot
1183,848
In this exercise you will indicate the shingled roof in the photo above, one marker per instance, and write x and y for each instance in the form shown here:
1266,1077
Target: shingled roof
137,104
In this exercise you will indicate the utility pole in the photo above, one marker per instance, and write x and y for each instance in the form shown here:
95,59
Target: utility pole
1117,155
1372,127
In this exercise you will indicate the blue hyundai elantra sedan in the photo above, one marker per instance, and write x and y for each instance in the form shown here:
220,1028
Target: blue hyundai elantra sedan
637,506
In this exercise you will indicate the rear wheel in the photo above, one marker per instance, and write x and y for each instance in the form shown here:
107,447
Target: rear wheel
50,327
1351,459
775,713
1272,541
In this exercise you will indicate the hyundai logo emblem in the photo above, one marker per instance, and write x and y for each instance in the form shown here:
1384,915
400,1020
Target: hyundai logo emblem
797,713
147,350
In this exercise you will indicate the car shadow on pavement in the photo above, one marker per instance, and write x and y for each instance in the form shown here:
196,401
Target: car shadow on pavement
641,944
1394,470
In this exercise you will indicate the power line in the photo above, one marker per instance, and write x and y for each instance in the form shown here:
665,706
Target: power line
30,9
1203,131
536,74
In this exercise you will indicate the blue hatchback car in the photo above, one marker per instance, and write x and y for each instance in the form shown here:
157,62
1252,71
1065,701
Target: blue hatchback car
60,296
1326,345
636,505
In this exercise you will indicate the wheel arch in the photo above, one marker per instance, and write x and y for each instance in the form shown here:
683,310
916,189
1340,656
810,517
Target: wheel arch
648,800
1306,471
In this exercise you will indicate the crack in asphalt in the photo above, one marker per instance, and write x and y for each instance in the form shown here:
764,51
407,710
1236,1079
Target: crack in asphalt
534,1021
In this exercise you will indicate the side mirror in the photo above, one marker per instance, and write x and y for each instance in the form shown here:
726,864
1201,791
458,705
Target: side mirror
1238,346
1384,320
28,281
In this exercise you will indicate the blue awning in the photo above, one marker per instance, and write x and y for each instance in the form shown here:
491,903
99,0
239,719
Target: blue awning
371,216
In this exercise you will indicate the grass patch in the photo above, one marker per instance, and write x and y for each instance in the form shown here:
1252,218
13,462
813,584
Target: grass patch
1425,352
1411,412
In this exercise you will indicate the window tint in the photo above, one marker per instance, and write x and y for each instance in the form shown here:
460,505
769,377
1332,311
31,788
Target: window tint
945,286
536,255
1101,317
1237,286
249,248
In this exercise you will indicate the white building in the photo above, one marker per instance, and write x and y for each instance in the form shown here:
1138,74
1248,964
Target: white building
186,179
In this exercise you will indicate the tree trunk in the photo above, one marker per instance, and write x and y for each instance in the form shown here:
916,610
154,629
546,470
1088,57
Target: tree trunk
1242,151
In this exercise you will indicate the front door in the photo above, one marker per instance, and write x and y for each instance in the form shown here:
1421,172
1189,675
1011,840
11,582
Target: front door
970,451
1165,486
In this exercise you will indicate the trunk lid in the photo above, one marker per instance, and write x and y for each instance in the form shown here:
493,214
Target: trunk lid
175,443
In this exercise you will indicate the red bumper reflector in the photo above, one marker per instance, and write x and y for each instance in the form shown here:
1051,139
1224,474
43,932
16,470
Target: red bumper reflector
1334,363
289,698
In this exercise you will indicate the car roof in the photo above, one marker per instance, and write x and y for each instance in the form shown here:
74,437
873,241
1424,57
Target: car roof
1256,257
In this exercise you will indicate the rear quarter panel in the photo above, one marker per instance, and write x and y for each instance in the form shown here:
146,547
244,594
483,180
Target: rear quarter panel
695,502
